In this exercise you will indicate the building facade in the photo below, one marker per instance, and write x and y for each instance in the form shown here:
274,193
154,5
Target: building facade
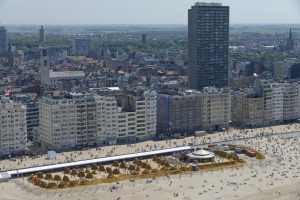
13,129
281,100
282,70
179,113
215,108
108,117
67,122
190,111
208,27
32,114
247,109
126,117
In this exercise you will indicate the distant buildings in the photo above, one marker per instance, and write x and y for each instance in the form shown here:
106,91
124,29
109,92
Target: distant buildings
81,46
144,38
208,45
109,117
190,111
51,78
3,41
286,69
13,130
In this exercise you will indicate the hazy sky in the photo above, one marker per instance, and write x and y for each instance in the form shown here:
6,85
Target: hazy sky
140,11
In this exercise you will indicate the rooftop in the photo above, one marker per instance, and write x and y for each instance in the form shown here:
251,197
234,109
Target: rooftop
207,4
66,74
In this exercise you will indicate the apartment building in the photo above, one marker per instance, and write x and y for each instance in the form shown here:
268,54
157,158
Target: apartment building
67,121
291,101
215,108
32,114
281,100
179,112
247,109
189,111
13,129
125,117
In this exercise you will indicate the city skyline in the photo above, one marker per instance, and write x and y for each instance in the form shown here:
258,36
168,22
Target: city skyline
104,12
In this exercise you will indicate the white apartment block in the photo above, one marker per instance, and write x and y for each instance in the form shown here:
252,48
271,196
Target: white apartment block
13,130
281,101
96,119
67,122
120,123
107,117
146,115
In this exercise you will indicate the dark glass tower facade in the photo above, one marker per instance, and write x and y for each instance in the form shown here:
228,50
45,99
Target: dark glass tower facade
208,45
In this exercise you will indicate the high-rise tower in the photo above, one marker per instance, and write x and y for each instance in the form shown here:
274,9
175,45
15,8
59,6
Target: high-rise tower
208,45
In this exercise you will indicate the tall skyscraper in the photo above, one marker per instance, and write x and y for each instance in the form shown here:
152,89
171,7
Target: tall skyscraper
42,38
3,41
208,45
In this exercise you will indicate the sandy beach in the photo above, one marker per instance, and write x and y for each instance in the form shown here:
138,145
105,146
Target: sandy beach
276,177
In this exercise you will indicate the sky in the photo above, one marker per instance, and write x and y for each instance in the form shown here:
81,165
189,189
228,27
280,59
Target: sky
101,12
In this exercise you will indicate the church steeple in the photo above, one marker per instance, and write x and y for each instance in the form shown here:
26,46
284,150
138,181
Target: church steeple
291,34
290,42
42,37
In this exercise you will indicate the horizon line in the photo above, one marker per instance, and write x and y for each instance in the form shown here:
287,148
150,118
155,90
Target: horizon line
146,24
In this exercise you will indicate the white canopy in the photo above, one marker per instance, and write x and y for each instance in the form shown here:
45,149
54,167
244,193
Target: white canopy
201,154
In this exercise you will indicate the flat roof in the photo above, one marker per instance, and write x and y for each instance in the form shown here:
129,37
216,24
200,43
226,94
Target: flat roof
66,74
95,161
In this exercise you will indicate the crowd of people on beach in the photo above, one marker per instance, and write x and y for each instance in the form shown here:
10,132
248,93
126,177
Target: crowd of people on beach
280,168
230,135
